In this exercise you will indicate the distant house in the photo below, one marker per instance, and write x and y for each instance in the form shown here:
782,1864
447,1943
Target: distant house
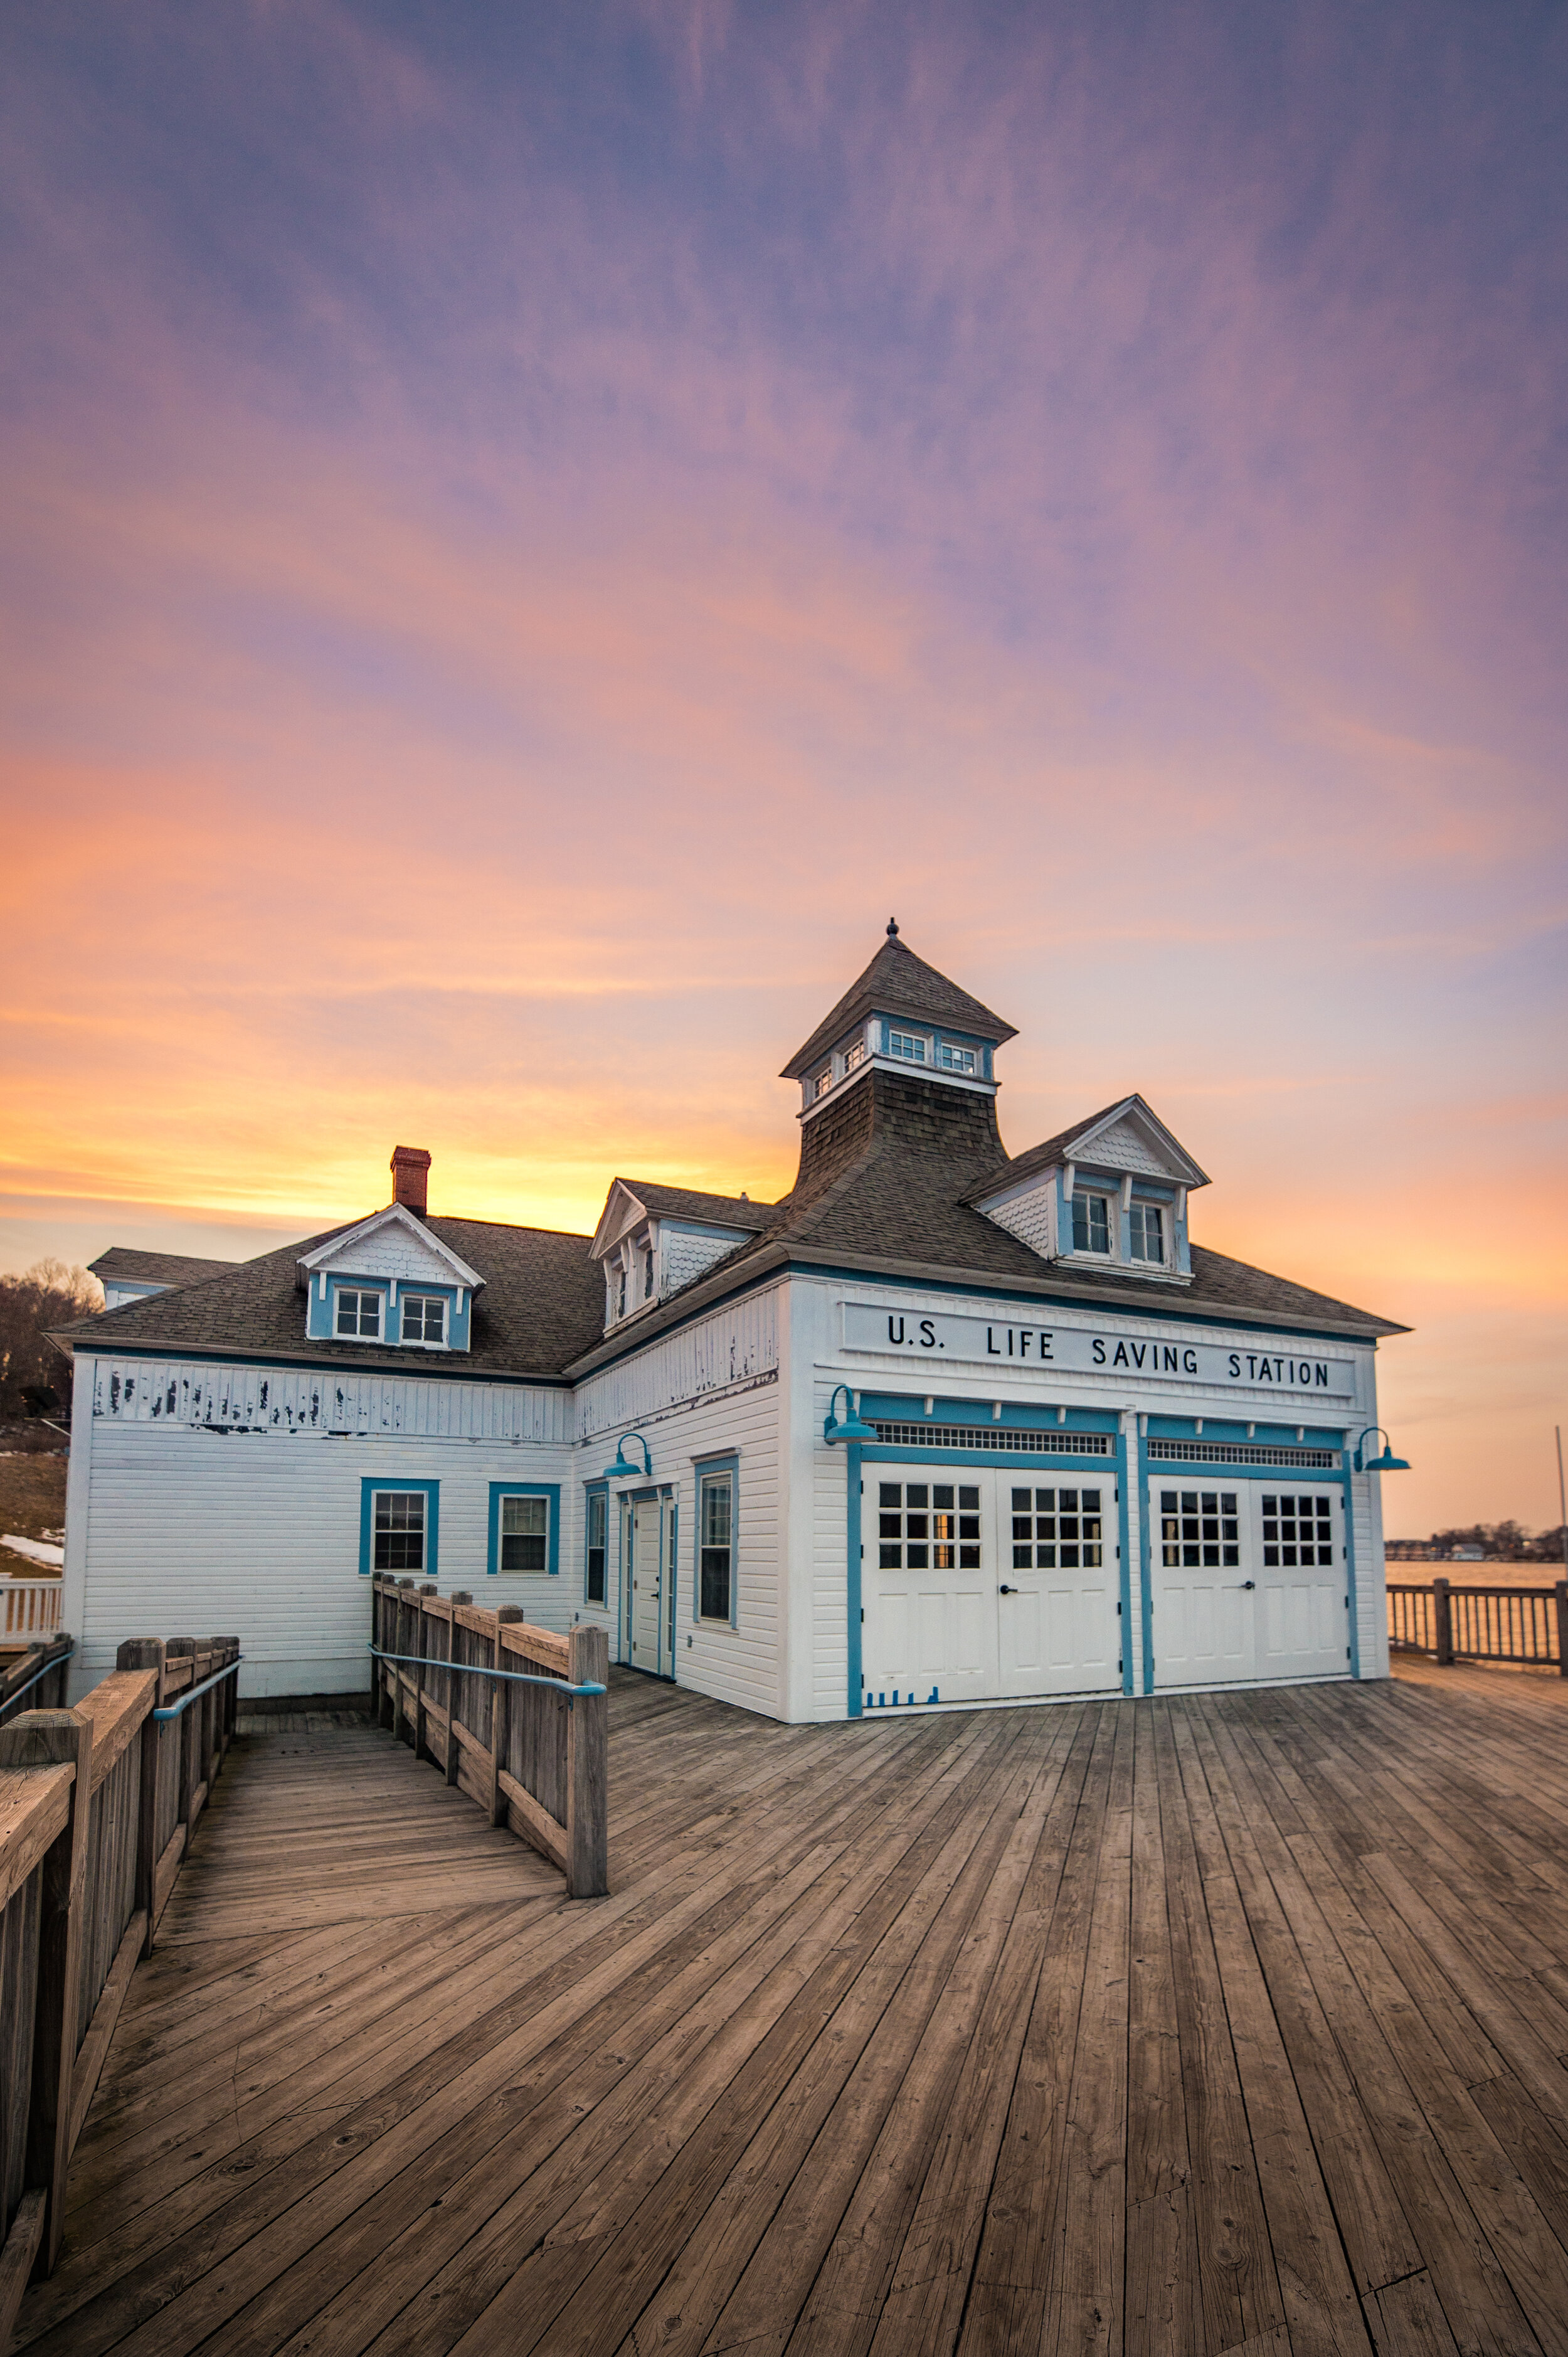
944,1425
1467,1554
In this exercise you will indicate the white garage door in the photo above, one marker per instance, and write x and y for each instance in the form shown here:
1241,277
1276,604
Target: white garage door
1247,1583
977,1587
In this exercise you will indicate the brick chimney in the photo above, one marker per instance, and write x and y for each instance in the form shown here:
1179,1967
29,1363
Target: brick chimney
410,1170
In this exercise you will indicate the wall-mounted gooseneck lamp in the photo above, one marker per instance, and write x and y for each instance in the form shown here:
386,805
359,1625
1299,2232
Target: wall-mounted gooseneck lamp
625,1470
849,1425
1387,1463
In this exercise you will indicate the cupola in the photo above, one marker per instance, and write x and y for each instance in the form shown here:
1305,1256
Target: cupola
901,1016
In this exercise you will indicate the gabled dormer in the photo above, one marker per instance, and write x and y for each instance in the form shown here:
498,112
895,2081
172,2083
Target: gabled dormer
1110,1194
390,1281
653,1240
901,1016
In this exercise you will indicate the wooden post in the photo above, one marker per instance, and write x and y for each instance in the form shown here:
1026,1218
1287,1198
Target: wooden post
1561,1593
501,1717
387,1639
421,1724
588,1767
1443,1630
41,1738
376,1639
184,1649
401,1644
147,1653
460,1596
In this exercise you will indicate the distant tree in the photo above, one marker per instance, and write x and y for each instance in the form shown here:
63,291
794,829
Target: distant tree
33,1372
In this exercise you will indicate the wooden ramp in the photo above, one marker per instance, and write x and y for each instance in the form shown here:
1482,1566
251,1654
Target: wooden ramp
1226,2024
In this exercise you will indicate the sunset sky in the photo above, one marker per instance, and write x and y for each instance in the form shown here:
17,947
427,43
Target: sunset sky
530,531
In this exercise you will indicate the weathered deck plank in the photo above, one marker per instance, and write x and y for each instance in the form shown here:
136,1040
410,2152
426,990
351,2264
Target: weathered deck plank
1214,2026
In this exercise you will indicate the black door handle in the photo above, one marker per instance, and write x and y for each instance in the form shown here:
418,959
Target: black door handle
1006,1591
1249,1583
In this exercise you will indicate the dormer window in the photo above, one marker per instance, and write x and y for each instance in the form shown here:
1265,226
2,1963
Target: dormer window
648,1275
424,1317
908,1045
359,1315
1148,1223
1090,1222
620,1292
952,1059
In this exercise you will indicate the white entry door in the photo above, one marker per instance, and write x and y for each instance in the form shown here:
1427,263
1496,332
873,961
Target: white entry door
646,1551
1059,1630
930,1604
1303,1575
1202,1589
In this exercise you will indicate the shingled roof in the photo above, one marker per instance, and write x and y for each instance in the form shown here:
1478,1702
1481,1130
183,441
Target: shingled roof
898,983
124,1264
688,1203
889,1196
542,1307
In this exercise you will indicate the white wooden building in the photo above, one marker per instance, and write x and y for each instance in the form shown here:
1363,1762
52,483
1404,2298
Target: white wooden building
943,1426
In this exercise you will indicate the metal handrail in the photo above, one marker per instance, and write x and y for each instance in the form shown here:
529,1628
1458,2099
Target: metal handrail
52,1663
480,1669
173,1709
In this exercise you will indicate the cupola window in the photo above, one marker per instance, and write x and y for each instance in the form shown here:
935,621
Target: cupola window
358,1314
1148,1232
957,1060
855,1056
824,1081
1090,1222
908,1045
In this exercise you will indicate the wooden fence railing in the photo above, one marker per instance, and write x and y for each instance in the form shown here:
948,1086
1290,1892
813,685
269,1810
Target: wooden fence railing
29,1608
516,1716
37,1679
97,1805
1481,1624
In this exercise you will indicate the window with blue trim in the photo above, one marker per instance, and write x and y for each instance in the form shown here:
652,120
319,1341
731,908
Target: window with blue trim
1148,1232
596,1587
953,1059
358,1314
715,1545
525,1535
1090,1222
908,1045
398,1531
423,1318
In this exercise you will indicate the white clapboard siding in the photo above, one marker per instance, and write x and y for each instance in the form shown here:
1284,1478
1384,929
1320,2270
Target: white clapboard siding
197,1532
213,1397
729,1348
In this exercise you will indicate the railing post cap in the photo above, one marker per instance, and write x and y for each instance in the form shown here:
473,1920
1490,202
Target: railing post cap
406,1583
43,1738
462,1595
512,1612
428,1587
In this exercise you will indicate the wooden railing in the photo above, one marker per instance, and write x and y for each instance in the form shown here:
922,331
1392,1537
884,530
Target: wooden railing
515,1716
37,1679
29,1608
1481,1624
97,1806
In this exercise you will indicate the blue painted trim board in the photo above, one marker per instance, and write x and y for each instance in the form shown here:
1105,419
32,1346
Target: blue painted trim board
550,1491
369,1486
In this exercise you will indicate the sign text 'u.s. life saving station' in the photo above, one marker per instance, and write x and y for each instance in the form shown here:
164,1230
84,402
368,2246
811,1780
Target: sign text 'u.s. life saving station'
1077,1349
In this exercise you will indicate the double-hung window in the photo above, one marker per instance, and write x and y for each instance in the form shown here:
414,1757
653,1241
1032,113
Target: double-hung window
398,1531
715,1545
525,1535
424,1317
358,1314
598,1536
1090,1222
1148,1223
908,1045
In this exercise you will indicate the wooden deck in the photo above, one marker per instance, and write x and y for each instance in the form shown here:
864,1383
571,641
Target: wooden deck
1231,2024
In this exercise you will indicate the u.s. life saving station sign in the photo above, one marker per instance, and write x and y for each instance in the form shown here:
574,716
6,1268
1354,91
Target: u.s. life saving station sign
1079,1349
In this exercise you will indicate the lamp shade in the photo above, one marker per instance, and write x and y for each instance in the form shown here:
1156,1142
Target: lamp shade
849,1425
